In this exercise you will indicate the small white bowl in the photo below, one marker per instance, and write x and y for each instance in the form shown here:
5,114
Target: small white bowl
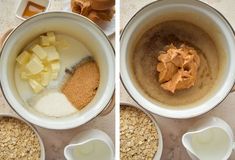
86,140
158,153
42,157
23,4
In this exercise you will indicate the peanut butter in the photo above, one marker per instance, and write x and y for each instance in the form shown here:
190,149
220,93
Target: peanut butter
178,67
95,10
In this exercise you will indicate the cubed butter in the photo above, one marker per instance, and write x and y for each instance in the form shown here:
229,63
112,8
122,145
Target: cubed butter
24,75
55,66
54,75
45,78
37,87
40,52
46,68
23,58
43,64
51,37
44,41
36,77
52,53
35,65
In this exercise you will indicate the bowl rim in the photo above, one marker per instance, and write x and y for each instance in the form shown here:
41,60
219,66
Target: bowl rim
153,119
173,114
60,126
10,115
79,139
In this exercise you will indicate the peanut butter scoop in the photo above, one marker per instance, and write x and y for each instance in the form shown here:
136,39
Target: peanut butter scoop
95,10
178,67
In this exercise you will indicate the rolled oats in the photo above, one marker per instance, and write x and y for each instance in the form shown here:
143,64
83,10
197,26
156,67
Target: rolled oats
138,135
18,141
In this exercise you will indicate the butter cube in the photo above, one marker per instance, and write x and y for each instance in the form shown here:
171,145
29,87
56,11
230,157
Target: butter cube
37,87
55,66
39,51
52,54
51,37
46,68
44,41
45,78
36,77
24,75
35,65
23,58
54,75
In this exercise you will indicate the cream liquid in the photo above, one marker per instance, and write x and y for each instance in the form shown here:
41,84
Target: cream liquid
176,32
94,149
69,56
211,144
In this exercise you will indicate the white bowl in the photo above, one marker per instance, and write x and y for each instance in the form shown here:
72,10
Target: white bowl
42,157
78,27
199,14
23,3
85,139
158,154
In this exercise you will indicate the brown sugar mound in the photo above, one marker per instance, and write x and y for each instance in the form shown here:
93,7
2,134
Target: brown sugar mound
81,87
178,67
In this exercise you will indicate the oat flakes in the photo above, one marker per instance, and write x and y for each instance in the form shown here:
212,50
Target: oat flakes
138,135
18,140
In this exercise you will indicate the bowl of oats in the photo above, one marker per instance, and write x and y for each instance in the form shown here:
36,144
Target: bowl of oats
19,139
140,136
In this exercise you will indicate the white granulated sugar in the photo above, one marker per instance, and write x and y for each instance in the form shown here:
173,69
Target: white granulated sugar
54,104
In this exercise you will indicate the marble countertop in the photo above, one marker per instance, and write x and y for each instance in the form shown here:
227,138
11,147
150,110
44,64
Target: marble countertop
172,129
54,141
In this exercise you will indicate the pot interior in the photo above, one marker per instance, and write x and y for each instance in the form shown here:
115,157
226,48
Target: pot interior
82,30
193,12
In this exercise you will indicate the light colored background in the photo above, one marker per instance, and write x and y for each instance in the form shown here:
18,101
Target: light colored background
54,141
172,129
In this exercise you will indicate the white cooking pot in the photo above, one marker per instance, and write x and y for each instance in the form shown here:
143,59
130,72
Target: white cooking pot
199,14
78,27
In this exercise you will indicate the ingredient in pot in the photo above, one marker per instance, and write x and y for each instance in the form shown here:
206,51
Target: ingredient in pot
18,140
96,10
32,9
53,103
40,64
81,87
139,137
178,67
